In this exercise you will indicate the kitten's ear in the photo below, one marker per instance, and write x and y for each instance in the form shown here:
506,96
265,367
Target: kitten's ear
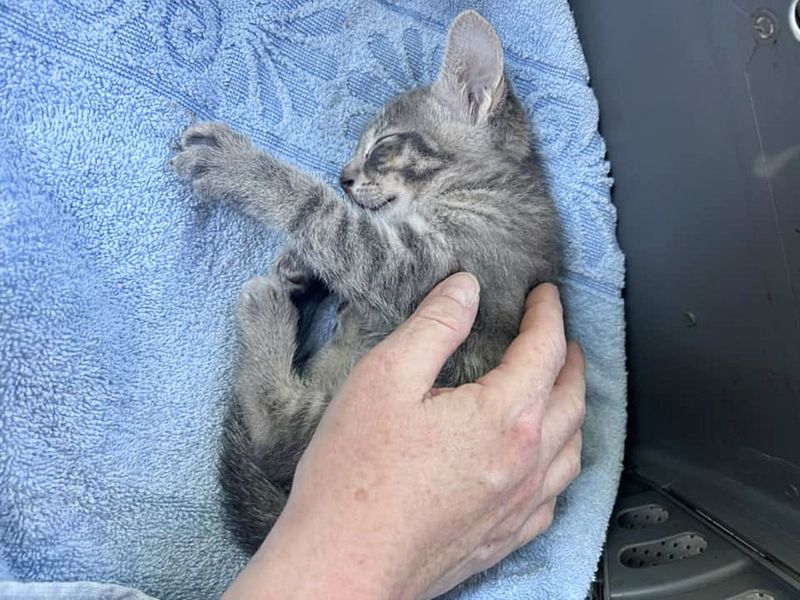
470,80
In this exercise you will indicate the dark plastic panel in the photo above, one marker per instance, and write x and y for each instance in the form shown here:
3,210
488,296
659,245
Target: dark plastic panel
673,566
700,107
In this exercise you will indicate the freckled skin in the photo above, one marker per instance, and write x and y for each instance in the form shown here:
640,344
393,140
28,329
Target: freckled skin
442,180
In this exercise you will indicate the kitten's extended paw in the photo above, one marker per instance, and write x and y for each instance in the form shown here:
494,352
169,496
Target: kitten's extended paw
213,159
292,273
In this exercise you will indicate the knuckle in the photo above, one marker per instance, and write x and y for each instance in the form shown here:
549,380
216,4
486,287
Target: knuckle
526,433
572,463
496,480
505,474
549,515
525,534
532,487
578,411
547,519
444,314
541,520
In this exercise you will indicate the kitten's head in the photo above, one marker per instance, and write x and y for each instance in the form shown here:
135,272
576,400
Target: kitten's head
463,130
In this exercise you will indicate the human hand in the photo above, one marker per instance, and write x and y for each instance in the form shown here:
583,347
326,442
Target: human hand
405,491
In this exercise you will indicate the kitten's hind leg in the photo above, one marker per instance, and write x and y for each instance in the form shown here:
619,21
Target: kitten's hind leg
278,409
274,412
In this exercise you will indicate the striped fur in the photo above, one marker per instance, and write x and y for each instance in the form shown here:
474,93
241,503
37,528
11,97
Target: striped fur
442,180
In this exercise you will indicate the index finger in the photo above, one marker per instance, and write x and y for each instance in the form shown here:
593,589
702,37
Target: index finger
534,359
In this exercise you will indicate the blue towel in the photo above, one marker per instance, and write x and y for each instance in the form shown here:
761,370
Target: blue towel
116,288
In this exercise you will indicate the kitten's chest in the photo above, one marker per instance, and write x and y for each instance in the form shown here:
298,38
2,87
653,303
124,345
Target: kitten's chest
371,327
360,330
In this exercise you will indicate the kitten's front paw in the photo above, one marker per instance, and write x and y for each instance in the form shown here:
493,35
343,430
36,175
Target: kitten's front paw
292,274
213,159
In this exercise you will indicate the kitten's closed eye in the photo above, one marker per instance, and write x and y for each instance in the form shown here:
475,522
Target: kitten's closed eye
382,141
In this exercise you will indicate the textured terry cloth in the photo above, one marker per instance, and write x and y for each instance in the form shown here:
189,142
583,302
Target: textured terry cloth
117,289
73,590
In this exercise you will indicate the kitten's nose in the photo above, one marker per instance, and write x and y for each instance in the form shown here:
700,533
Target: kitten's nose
347,178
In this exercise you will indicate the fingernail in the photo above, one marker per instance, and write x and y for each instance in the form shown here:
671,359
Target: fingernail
463,288
554,287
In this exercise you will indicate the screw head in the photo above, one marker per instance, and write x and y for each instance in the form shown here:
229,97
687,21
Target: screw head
765,25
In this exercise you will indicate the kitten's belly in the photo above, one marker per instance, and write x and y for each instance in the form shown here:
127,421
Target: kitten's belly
360,331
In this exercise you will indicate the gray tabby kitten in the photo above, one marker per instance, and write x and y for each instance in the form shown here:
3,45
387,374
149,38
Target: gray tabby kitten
443,179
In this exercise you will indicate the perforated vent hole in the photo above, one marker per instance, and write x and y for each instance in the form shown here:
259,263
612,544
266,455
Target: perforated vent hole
643,516
753,595
661,552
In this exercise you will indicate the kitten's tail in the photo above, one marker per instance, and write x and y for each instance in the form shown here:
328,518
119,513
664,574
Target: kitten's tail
251,501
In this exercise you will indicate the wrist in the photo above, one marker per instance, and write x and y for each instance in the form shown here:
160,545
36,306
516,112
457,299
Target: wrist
308,555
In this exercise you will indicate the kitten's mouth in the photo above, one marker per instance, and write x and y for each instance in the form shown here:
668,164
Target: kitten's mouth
375,207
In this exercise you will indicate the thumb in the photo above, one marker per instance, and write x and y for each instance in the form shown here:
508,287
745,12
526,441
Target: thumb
418,348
